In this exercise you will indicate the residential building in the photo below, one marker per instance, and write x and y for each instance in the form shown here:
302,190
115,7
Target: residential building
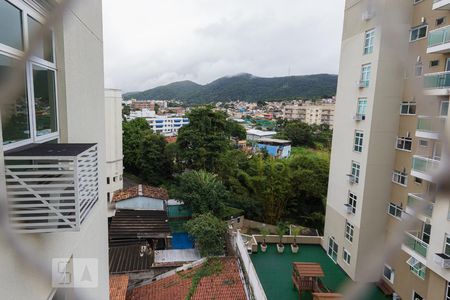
142,104
254,135
392,104
52,154
167,125
310,114
275,147
114,155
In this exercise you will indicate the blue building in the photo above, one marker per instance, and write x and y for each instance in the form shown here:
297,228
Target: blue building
275,147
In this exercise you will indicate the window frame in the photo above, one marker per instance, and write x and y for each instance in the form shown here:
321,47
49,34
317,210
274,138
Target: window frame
396,209
356,170
346,256
358,141
446,244
366,71
392,273
418,29
361,103
403,140
333,247
349,231
352,201
396,174
369,41
39,15
408,105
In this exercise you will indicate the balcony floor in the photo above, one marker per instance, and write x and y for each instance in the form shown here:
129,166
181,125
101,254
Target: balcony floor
275,270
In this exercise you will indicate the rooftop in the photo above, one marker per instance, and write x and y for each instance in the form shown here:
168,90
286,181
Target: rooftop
275,270
127,259
118,285
141,190
260,132
274,141
225,284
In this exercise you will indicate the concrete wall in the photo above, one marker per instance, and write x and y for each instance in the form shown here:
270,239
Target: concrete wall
79,56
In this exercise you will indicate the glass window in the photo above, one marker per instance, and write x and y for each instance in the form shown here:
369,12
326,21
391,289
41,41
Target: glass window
408,108
44,48
444,109
10,25
44,100
447,294
346,256
417,268
388,273
418,69
352,199
404,143
434,63
349,229
447,245
395,210
358,142
418,32
362,107
365,74
368,41
15,117
416,296
400,177
332,249
356,168
440,21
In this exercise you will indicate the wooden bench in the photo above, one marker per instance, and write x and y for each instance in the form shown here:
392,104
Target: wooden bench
385,287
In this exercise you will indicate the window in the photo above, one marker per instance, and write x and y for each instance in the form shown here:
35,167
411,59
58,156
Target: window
404,143
418,69
416,267
395,210
356,168
332,248
349,229
358,142
418,32
365,75
400,177
423,143
447,294
32,116
388,273
408,108
346,256
417,1
352,198
418,180
368,41
434,63
11,24
416,296
440,21
447,245
108,180
108,196
444,109
362,107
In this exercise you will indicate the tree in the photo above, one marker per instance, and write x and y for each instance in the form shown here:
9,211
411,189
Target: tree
203,192
133,132
153,163
209,234
206,136
304,135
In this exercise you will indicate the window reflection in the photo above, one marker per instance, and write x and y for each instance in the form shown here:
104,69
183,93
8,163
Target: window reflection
44,100
44,48
10,25
15,118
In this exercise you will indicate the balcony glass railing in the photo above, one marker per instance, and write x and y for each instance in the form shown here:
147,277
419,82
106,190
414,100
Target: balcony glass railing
414,243
439,37
419,204
437,80
424,164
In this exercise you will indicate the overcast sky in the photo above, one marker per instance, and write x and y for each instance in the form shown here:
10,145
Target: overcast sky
153,42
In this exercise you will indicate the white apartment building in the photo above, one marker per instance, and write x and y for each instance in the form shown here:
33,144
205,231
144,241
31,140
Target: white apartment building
167,125
310,114
52,153
114,155
392,103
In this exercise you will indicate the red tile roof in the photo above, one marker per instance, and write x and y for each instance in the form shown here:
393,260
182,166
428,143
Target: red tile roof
118,285
223,286
147,191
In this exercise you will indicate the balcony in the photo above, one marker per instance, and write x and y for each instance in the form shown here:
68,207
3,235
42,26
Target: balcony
424,167
418,205
359,117
412,242
439,40
437,84
429,127
441,4
51,187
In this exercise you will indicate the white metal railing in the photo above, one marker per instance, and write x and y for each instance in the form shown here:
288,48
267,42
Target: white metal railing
255,284
51,191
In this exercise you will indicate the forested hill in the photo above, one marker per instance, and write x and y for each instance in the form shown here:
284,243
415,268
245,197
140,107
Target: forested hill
244,87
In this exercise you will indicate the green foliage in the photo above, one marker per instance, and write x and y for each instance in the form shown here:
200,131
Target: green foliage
244,87
295,232
281,230
211,267
304,135
133,131
209,234
205,137
264,232
203,192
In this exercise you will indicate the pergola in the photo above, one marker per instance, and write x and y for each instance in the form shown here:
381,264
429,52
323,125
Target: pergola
306,277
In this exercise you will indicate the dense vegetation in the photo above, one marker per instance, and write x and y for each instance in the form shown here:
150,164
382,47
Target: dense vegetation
215,177
244,87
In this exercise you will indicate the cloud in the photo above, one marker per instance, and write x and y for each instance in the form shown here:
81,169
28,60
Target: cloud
154,42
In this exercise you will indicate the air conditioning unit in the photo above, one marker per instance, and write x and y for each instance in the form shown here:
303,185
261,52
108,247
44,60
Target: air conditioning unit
362,84
443,260
359,117
351,178
368,15
348,208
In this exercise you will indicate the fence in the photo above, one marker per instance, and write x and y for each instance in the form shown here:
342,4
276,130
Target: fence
257,291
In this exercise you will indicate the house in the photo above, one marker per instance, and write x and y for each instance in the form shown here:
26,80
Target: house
275,147
254,135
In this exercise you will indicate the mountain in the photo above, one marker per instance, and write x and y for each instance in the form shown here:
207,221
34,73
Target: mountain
244,87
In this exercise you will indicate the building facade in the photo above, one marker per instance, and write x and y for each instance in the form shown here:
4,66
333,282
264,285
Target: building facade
392,104
167,125
52,152
114,155
310,114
